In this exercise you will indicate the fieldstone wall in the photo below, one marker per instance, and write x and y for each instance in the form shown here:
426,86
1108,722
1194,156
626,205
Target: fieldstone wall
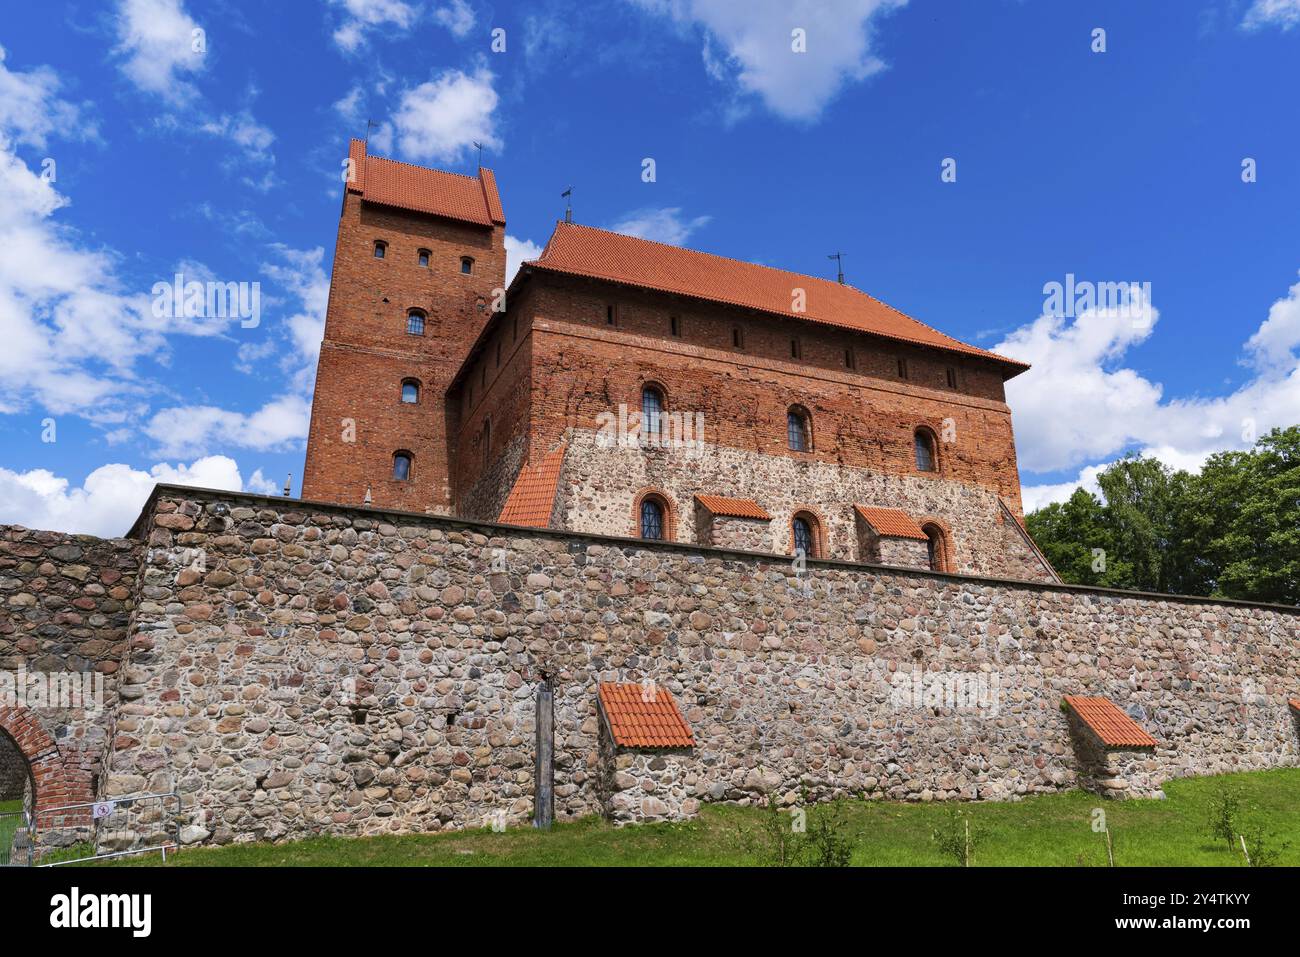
599,483
354,671
729,531
1116,773
641,786
65,604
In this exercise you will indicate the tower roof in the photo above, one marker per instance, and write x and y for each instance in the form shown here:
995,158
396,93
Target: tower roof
471,199
600,254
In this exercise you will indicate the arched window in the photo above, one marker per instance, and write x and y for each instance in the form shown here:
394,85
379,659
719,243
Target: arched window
923,439
466,265
423,257
401,466
415,323
652,409
381,249
798,428
804,532
652,518
410,391
936,547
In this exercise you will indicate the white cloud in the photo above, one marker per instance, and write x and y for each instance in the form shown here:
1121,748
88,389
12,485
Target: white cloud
756,38
156,38
279,425
1034,497
1281,13
661,225
457,16
244,132
441,119
31,111
362,16
1079,406
519,251
111,497
349,105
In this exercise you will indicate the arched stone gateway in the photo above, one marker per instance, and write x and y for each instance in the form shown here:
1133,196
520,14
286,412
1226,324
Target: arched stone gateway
53,779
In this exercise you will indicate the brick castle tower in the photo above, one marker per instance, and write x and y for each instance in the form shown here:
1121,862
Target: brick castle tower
419,256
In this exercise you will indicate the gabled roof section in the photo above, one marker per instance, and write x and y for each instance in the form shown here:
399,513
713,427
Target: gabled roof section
643,716
890,522
471,199
1105,719
733,507
533,497
596,253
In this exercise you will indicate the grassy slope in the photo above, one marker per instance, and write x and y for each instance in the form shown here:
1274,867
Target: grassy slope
1051,830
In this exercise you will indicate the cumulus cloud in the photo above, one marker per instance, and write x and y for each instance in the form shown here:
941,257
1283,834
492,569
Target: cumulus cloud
362,16
242,131
30,109
1079,407
457,16
111,497
1278,13
442,119
751,45
157,44
279,425
666,225
519,251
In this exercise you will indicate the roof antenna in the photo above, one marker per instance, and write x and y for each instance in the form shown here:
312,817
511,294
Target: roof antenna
479,147
370,124
568,204
839,259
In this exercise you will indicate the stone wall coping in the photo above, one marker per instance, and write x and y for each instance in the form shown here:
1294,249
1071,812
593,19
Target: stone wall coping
137,531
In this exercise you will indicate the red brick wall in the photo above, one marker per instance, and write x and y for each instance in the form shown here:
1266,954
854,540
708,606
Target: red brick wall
863,417
367,352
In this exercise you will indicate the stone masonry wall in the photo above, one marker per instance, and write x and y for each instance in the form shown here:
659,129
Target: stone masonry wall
65,604
599,484
353,671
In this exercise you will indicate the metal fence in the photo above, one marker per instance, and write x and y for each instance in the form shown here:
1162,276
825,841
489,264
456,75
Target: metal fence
15,838
75,833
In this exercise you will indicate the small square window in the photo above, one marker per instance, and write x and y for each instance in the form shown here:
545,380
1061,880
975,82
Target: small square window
424,258
381,248
466,265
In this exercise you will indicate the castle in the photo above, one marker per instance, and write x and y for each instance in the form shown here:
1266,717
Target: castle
626,387
646,529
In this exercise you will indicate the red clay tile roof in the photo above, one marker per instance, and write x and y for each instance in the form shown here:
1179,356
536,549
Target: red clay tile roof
473,199
1295,703
733,507
587,251
531,500
1115,728
891,522
639,723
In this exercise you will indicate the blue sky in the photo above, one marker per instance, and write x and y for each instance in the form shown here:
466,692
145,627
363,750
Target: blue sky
220,159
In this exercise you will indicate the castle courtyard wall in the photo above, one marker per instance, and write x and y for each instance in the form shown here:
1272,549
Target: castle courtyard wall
354,671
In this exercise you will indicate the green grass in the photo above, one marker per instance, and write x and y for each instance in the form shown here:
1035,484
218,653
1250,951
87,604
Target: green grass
1049,830
8,824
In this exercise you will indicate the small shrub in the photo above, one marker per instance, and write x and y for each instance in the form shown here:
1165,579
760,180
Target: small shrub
1225,813
958,837
1263,847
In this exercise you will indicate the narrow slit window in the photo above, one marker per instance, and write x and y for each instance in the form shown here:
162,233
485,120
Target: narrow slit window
675,326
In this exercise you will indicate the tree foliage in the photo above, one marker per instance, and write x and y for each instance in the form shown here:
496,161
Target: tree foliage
1233,530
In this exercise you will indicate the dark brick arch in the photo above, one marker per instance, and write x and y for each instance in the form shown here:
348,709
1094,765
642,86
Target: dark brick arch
57,780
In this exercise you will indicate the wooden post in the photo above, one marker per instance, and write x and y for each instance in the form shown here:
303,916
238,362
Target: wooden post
544,758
